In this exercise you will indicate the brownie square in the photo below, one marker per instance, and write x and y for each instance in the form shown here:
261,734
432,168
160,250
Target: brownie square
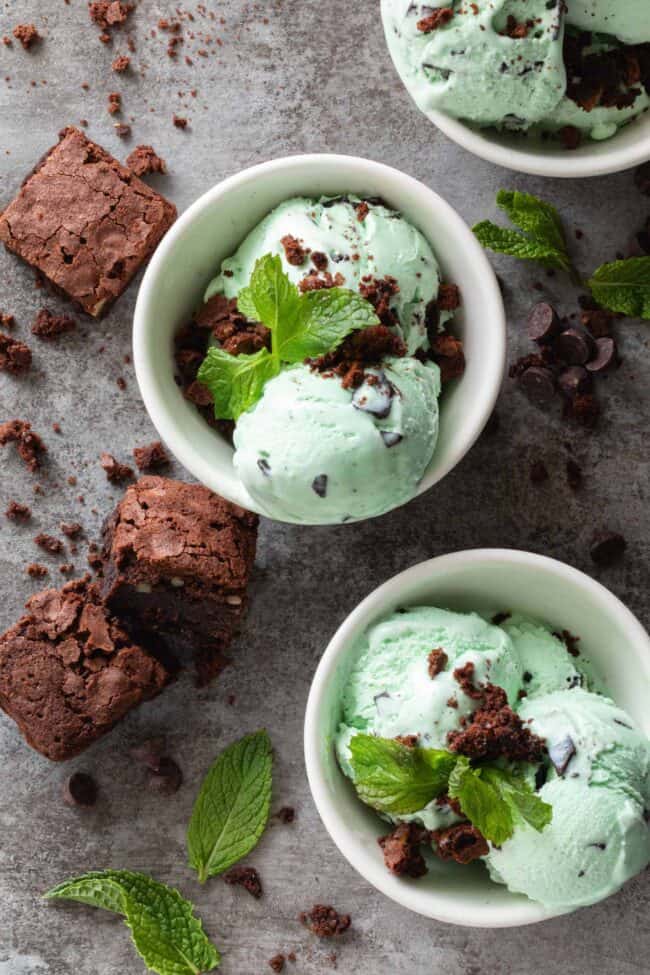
85,222
177,560
69,671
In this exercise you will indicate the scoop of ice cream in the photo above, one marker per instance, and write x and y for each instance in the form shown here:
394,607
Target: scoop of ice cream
472,67
545,663
628,20
598,787
314,452
393,689
355,244
602,122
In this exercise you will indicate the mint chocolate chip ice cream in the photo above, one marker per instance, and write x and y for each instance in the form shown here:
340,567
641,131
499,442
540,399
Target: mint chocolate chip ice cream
580,69
516,703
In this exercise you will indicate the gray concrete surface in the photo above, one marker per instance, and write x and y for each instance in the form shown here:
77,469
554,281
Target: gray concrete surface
291,76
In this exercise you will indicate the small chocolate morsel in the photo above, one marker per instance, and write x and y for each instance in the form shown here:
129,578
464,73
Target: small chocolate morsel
319,485
573,381
543,323
390,437
607,547
574,346
605,357
166,779
149,753
80,790
561,753
538,383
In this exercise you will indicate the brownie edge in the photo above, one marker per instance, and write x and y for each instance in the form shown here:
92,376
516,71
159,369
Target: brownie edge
69,671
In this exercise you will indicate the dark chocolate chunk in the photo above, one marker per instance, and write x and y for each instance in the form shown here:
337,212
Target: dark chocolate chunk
277,962
543,323
376,399
605,356
607,548
561,752
391,438
574,381
264,466
319,485
574,346
538,383
462,843
80,790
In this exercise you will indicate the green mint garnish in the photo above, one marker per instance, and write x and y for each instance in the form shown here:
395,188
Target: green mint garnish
400,780
621,286
232,807
396,779
302,326
167,936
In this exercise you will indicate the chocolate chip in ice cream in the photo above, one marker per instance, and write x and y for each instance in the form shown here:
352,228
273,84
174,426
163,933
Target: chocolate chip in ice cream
319,485
561,752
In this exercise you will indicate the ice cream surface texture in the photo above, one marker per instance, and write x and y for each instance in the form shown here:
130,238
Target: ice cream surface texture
503,63
595,772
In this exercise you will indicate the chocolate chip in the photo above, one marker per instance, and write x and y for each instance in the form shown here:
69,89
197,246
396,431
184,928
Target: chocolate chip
574,381
561,753
575,345
390,437
605,357
607,547
80,790
543,323
264,466
538,383
319,485
376,399
166,779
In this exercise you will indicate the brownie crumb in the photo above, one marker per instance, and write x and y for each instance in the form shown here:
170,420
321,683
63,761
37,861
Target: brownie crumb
7,321
144,160
66,569
607,548
462,843
46,325
401,850
437,661
294,252
152,457
109,13
15,356
363,348
447,352
409,741
277,962
120,65
319,260
362,211
318,281
246,877
438,18
15,511
28,444
71,529
324,921
27,35
115,472
570,642
448,297
120,382
37,571
179,121
286,814
49,543
80,789
123,130
114,103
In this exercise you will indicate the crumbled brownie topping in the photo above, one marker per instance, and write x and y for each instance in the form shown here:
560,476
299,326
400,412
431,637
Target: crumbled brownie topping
109,13
15,356
317,281
123,130
448,297
362,211
379,292
28,444
608,78
286,815
465,677
115,472
517,29
294,252
360,350
7,321
18,512
496,731
277,962
462,843
319,260
26,34
179,121
120,65
246,877
49,543
46,325
37,571
114,103
401,849
66,569
324,921
434,20
570,642
71,529
447,352
409,741
144,160
437,661
152,457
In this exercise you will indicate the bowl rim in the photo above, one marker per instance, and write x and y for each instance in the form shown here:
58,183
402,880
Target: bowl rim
487,145
486,392
371,608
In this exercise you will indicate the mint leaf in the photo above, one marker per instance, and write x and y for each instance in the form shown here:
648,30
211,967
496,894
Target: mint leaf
275,298
482,802
326,317
168,937
524,803
235,381
535,217
623,286
396,779
511,242
246,305
232,807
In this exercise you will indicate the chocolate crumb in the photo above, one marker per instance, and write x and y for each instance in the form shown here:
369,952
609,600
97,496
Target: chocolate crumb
80,790
121,64
324,921
49,543
28,444
362,211
15,356
72,529
115,472
438,18
37,571
144,160
26,34
47,326
286,814
151,457
294,252
66,569
437,661
570,642
18,512
114,103
401,850
179,121
246,877
277,962
462,843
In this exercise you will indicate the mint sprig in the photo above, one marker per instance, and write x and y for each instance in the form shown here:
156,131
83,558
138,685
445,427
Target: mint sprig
301,326
167,936
397,779
232,807
620,286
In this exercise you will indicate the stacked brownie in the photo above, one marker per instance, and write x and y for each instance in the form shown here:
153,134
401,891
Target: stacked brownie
176,563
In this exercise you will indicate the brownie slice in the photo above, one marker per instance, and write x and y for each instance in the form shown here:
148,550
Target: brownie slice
85,222
69,671
177,560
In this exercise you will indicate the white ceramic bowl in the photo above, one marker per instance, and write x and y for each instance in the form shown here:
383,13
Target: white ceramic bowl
488,581
213,227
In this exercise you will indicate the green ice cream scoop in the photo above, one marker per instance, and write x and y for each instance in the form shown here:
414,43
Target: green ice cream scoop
628,20
311,451
355,243
598,787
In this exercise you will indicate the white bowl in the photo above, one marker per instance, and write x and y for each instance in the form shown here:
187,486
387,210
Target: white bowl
213,227
488,581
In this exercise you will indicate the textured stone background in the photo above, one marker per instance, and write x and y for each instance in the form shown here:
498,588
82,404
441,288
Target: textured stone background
315,77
